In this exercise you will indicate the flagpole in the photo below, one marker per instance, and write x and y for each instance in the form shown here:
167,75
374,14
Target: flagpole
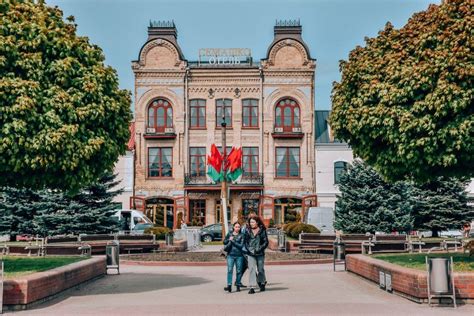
224,219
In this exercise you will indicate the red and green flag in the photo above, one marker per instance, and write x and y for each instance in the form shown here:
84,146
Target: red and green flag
232,169
234,164
214,165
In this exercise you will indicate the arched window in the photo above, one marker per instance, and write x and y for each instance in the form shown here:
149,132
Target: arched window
287,114
339,168
160,115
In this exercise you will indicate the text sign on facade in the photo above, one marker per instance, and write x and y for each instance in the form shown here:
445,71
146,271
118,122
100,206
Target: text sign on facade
225,56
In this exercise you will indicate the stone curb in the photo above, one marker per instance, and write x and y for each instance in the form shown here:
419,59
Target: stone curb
217,263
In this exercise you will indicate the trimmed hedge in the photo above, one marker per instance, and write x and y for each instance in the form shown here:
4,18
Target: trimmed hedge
303,228
159,231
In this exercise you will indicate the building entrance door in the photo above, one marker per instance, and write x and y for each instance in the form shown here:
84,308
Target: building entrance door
287,210
160,211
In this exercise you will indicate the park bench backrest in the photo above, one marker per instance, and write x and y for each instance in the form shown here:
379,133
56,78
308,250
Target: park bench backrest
355,237
135,237
390,237
310,237
52,240
100,237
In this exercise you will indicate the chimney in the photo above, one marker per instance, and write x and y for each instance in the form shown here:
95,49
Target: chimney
287,28
163,29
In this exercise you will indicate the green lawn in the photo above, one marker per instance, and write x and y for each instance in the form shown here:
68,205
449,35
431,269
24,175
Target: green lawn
462,262
15,266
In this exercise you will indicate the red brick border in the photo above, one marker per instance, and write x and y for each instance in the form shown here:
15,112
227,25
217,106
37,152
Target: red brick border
20,292
407,282
291,245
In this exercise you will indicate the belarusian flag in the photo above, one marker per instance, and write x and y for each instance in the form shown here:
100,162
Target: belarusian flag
214,165
234,164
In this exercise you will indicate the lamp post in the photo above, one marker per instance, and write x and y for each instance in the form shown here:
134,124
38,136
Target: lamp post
224,219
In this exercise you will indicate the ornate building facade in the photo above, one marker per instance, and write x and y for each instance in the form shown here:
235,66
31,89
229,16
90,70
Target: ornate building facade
269,110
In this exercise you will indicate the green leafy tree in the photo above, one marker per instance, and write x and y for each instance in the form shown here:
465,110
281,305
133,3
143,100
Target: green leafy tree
405,100
63,118
441,204
367,203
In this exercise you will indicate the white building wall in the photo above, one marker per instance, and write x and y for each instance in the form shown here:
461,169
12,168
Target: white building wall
326,155
124,170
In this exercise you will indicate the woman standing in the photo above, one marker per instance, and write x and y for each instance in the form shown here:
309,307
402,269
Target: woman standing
233,244
256,241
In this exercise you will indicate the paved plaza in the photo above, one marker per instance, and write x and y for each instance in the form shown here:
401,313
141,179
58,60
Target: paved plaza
292,290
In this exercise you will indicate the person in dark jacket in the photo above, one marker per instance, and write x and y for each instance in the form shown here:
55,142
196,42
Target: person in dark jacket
255,243
233,244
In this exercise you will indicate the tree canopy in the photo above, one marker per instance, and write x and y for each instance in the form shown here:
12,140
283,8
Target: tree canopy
405,100
63,118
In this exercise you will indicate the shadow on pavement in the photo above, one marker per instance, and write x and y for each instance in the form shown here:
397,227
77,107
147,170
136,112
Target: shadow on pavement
271,288
126,283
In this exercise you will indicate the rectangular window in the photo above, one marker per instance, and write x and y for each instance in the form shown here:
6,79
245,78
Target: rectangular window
249,113
197,161
197,209
160,162
339,168
250,160
224,108
249,205
197,109
287,162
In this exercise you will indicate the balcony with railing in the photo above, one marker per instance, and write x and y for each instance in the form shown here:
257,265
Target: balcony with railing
247,179
287,132
159,133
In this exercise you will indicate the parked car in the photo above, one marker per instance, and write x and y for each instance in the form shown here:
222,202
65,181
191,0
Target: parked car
322,218
128,219
451,233
140,228
24,237
211,232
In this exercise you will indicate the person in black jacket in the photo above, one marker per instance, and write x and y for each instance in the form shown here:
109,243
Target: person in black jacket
233,244
255,243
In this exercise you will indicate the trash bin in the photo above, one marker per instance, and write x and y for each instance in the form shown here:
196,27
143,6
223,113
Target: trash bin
339,250
281,240
440,278
439,272
112,252
169,239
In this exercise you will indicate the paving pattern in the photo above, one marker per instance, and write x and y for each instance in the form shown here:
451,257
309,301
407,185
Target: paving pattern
292,290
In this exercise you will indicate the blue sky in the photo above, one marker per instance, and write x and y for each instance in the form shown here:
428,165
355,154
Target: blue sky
331,28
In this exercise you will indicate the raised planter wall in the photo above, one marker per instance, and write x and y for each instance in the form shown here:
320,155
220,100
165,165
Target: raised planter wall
291,245
20,292
408,282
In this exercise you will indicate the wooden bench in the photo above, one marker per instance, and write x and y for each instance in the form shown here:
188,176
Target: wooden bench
315,242
390,243
130,249
40,250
